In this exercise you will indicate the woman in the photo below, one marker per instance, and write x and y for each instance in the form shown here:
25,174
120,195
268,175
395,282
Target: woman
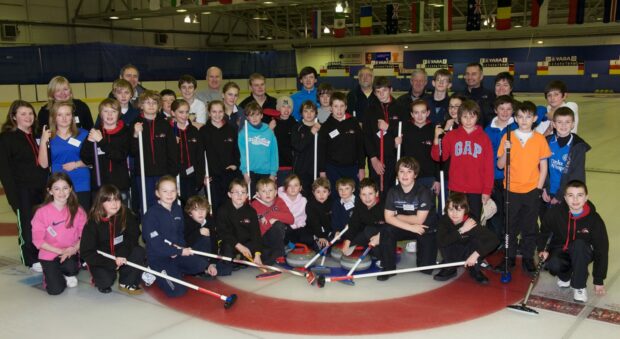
59,90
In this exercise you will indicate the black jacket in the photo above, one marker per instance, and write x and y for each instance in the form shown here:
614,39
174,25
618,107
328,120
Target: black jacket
160,148
417,143
302,142
319,217
82,113
113,158
484,240
372,140
283,133
190,150
357,102
363,217
221,147
344,149
239,226
485,99
192,230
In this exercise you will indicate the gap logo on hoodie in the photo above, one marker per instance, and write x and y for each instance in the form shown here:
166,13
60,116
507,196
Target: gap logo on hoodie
465,148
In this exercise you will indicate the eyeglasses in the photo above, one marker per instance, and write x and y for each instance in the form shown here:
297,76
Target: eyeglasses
239,193
454,107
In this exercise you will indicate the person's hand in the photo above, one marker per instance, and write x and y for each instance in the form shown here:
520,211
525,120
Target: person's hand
323,242
507,145
137,129
273,221
436,187
247,178
205,231
212,270
377,165
187,252
46,134
207,180
272,124
120,261
485,198
323,175
231,168
419,229
382,125
468,225
315,128
554,201
67,253
545,196
70,166
361,174
375,240
449,124
257,259
472,259
398,140
543,255
243,250
273,177
438,131
95,135
599,290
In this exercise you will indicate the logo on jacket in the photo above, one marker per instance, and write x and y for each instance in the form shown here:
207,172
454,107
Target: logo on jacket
466,148
56,223
245,221
351,131
228,140
259,141
584,230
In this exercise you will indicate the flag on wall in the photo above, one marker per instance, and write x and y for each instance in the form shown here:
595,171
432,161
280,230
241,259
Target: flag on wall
504,8
339,25
473,15
391,19
316,24
417,17
576,11
445,21
611,12
539,13
366,20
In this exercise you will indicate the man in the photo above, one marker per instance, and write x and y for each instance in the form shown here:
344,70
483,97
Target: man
258,94
214,83
418,80
476,92
130,73
359,98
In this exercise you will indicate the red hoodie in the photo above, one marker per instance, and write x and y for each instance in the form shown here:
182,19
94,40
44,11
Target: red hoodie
278,210
471,160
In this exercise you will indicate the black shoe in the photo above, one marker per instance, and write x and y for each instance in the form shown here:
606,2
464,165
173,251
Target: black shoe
528,266
478,276
385,277
206,276
105,290
500,267
445,274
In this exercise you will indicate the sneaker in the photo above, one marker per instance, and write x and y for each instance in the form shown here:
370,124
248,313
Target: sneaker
378,264
130,289
563,284
580,294
445,274
411,247
36,267
528,266
105,290
71,281
148,279
385,277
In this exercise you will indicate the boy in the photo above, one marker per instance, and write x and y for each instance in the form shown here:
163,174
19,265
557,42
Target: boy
274,218
496,130
380,127
568,156
460,237
283,130
528,170
438,104
167,98
556,93
325,91
343,208
367,219
302,140
318,212
471,158
188,85
123,92
263,147
307,77
197,229
258,94
572,249
237,227
341,144
408,216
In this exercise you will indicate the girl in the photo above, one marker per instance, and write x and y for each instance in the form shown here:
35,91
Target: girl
65,140
59,90
22,177
234,113
190,148
112,149
113,229
451,121
164,221
159,146
302,140
219,140
291,194
56,229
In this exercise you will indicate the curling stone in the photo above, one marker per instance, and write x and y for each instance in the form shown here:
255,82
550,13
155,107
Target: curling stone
299,256
347,261
336,251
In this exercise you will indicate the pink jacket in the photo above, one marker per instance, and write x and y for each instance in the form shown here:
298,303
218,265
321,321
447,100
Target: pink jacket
49,226
297,207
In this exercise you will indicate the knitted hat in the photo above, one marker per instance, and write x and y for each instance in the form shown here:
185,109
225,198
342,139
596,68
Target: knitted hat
284,101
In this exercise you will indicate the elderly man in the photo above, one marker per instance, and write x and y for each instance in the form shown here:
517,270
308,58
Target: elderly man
214,86
476,92
359,98
418,80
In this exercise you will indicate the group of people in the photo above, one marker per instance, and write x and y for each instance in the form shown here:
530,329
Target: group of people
253,179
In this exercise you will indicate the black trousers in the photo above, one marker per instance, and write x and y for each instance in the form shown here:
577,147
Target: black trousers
104,276
219,188
426,247
300,235
28,199
498,223
54,272
523,215
273,241
389,175
571,265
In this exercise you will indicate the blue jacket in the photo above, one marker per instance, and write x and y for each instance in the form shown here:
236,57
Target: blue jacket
159,224
263,150
301,97
496,134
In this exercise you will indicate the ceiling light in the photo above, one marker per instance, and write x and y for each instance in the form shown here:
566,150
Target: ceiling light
137,19
436,5
540,42
406,47
187,20
114,18
518,26
181,10
260,16
339,8
269,38
206,13
326,30
268,2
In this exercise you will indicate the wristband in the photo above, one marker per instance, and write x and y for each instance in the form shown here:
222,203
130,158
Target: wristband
257,253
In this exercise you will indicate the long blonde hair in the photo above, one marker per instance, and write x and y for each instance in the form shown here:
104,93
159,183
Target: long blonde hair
52,121
53,85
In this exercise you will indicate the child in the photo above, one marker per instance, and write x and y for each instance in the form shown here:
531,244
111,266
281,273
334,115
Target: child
495,131
451,121
568,156
438,104
283,129
460,237
164,222
307,77
302,141
290,193
408,216
471,158
167,98
198,231
325,91
197,108
528,170
237,227
123,92
112,140
234,113
219,139
341,144
343,208
159,145
262,144
190,149
112,228
380,127
367,219
318,212
572,248
274,218
56,229
22,177
556,93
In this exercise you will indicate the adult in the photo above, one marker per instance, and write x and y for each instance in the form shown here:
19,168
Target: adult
476,92
214,86
59,90
503,84
359,98
130,73
418,80
258,94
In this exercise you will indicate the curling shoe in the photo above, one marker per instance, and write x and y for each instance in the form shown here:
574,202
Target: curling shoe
445,274
528,266
563,284
478,276
580,294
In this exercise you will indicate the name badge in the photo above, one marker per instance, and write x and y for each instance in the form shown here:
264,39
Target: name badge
409,207
99,151
334,133
349,205
76,119
154,234
51,231
118,240
381,132
38,140
189,170
74,142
